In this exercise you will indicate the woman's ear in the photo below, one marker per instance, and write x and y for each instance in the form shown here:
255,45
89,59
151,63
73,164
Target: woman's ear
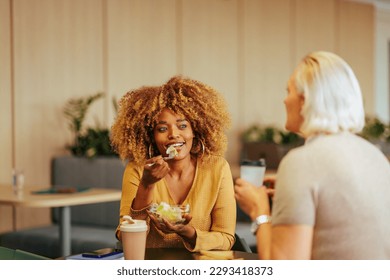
302,99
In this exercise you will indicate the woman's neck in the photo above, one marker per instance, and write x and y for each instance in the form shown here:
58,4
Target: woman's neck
182,167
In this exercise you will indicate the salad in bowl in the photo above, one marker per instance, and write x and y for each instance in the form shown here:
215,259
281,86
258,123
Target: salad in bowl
171,213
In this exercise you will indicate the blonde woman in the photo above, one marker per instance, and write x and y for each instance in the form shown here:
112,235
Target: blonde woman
332,194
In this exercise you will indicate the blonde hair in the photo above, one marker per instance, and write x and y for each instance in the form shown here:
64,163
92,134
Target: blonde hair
333,99
200,104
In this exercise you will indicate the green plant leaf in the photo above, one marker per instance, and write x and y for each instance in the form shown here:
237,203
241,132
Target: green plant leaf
91,141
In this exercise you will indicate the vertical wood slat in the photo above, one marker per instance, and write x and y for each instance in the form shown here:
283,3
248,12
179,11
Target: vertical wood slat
58,55
210,53
356,29
6,107
268,45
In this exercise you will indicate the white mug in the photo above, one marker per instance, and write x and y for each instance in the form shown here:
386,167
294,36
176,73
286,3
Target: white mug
253,171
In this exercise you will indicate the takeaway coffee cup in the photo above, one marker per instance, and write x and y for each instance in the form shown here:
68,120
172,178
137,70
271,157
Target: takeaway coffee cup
253,171
133,238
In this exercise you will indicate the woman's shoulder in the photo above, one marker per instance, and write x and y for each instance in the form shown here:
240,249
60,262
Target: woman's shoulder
213,169
214,160
132,167
328,148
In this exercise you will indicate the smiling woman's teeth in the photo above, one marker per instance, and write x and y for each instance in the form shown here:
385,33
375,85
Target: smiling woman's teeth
177,145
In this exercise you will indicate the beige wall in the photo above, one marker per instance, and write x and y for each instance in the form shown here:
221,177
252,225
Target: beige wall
244,48
382,59
5,109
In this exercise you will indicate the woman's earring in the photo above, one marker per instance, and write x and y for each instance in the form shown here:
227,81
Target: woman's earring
202,145
196,149
150,151
203,148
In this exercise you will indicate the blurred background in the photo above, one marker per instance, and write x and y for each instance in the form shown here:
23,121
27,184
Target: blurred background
55,50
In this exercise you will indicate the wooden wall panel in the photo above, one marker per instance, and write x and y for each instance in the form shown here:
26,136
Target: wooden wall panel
5,109
5,94
268,49
58,55
315,27
142,47
355,41
210,53
382,61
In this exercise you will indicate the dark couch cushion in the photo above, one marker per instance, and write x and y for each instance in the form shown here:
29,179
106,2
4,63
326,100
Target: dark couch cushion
99,214
101,172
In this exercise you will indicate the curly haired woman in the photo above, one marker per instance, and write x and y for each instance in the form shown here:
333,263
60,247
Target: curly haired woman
191,117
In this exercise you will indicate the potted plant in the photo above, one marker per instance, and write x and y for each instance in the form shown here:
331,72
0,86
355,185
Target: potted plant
88,141
378,133
92,162
272,143
268,142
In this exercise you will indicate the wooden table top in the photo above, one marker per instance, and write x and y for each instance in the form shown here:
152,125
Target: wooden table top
30,199
183,254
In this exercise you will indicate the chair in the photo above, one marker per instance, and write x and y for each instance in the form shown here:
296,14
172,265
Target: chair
241,245
16,254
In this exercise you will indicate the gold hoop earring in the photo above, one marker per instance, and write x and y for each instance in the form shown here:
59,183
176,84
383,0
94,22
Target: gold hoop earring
202,146
150,151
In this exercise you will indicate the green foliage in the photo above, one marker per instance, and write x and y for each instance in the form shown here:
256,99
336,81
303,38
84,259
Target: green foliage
76,109
290,138
88,141
375,129
270,134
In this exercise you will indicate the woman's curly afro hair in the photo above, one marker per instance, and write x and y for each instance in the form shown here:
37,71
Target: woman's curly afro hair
200,104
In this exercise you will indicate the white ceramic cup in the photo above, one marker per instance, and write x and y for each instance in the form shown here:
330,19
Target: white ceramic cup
253,171
134,234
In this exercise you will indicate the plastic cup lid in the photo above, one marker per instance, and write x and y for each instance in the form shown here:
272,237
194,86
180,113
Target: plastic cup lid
260,162
136,226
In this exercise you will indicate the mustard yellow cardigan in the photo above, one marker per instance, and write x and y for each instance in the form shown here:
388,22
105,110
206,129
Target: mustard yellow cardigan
212,203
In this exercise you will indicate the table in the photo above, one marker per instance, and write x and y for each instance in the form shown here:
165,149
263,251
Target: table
183,254
61,200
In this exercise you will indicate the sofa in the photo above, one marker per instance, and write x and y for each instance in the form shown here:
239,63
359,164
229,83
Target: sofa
93,225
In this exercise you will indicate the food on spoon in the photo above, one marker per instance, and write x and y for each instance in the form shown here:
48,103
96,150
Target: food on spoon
171,151
172,213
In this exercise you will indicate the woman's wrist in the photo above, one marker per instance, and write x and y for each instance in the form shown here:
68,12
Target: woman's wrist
146,185
143,197
258,211
260,208
188,233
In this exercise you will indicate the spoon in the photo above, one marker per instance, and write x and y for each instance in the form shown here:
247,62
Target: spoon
172,153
